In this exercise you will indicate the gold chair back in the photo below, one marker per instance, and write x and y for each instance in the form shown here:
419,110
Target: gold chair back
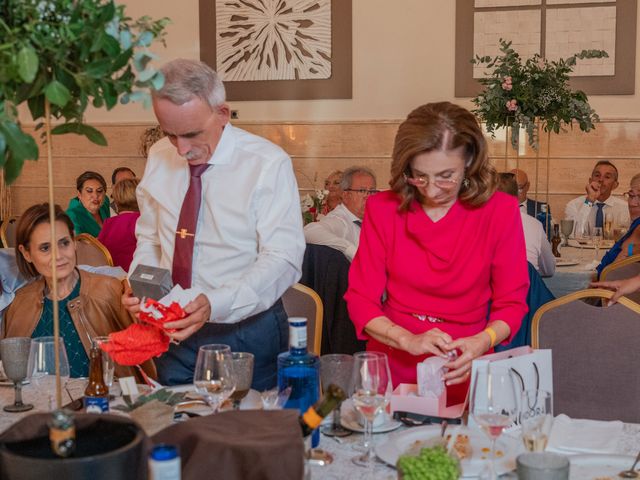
302,301
89,251
625,268
8,232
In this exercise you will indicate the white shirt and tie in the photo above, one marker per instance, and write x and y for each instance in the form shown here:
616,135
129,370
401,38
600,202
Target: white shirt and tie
584,215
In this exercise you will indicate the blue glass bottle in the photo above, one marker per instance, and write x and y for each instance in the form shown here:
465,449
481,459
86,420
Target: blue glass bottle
545,218
300,370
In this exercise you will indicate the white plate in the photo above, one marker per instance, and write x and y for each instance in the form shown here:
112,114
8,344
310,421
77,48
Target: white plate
566,262
588,244
591,467
349,420
398,443
251,402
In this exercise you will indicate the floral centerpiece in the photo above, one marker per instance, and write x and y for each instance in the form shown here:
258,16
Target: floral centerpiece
312,205
519,94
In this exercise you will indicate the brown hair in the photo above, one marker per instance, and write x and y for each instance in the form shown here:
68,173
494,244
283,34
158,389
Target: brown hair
124,194
28,221
89,175
507,183
443,126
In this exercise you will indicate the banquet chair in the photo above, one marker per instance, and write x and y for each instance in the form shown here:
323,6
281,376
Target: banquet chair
8,232
621,269
594,351
301,301
89,251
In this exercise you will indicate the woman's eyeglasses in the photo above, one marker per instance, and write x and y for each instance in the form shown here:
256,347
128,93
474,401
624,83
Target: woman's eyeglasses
630,196
421,181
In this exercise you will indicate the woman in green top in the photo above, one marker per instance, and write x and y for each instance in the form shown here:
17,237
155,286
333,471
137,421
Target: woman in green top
91,207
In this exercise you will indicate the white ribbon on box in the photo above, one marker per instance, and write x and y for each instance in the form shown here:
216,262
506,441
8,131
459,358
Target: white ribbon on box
530,369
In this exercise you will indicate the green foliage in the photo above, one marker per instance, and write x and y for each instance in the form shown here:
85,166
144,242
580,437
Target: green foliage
518,94
73,53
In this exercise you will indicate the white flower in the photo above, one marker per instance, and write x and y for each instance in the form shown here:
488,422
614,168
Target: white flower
306,203
321,194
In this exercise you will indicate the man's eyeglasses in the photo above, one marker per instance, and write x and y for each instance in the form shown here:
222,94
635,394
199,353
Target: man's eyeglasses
362,191
422,181
630,196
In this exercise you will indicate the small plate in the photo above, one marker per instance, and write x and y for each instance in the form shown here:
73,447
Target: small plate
598,466
250,402
349,420
566,262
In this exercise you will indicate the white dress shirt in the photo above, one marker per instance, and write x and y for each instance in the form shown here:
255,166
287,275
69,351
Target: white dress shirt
583,215
336,230
539,252
249,243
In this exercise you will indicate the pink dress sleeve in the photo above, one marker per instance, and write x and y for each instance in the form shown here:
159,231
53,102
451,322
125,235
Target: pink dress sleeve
367,277
509,272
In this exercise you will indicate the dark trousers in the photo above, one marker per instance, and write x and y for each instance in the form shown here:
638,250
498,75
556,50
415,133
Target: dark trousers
265,335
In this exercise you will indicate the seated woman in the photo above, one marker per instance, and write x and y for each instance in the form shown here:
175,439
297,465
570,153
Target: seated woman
89,210
446,248
89,304
332,185
629,243
118,233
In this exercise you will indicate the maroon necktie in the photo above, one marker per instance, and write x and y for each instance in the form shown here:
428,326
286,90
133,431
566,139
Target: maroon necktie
186,229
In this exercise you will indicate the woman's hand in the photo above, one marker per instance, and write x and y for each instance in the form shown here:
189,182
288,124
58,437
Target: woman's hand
620,287
471,348
434,341
129,302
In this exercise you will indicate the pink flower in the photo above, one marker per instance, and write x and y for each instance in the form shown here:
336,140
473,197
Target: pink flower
512,105
507,84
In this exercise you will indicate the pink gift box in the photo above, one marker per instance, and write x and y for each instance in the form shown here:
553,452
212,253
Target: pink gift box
405,399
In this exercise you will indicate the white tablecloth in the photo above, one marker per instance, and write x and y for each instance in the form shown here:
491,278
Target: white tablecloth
572,278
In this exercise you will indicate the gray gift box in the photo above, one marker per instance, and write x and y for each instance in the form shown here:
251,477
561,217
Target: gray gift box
150,282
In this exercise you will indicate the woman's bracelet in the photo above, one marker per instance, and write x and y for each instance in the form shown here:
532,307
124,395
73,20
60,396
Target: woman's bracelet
492,335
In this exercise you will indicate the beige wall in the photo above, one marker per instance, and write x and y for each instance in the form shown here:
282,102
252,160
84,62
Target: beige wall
403,56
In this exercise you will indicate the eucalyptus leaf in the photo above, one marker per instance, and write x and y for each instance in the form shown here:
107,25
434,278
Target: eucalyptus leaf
57,93
125,39
88,131
145,39
158,80
22,146
3,146
27,64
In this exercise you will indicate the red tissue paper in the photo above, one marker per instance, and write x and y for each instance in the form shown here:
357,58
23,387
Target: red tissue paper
142,341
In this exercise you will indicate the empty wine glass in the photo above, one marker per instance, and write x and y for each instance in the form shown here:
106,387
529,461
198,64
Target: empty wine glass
536,417
213,375
596,238
336,368
493,404
243,372
15,358
371,382
566,228
42,366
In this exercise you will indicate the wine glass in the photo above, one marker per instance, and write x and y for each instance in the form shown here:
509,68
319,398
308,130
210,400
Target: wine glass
213,376
493,404
242,363
371,382
607,229
566,228
596,238
15,358
336,368
536,417
42,365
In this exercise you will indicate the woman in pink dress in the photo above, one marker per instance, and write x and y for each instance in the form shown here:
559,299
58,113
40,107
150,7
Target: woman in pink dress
118,233
443,248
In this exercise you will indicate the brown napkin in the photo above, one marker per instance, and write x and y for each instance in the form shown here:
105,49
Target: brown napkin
242,445
153,416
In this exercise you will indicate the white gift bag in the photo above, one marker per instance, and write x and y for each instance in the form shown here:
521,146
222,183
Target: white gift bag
530,370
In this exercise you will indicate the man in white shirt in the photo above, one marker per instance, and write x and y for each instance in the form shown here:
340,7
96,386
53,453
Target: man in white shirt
340,228
539,252
589,211
219,207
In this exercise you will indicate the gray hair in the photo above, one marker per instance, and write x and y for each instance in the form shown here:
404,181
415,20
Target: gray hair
349,173
185,79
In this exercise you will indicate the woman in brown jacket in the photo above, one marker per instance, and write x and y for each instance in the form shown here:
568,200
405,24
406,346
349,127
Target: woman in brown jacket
89,304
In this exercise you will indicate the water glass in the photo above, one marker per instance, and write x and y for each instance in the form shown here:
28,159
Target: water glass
542,466
15,354
243,372
596,238
493,404
566,228
536,417
42,366
372,388
108,365
336,368
213,376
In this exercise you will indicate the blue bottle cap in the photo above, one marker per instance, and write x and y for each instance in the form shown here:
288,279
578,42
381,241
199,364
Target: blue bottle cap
163,452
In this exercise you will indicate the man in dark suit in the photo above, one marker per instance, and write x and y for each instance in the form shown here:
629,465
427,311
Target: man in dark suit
533,207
